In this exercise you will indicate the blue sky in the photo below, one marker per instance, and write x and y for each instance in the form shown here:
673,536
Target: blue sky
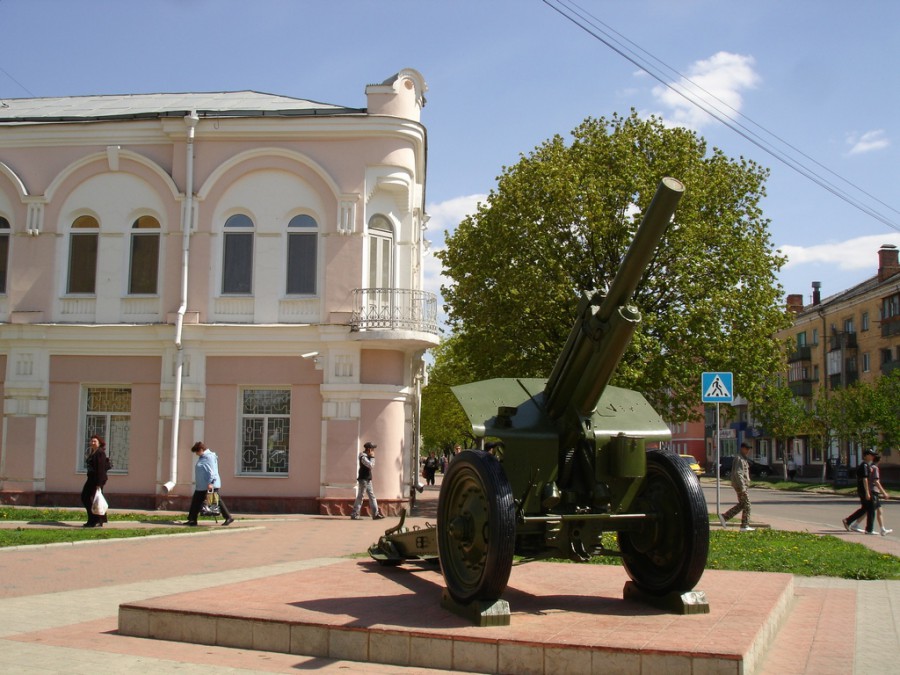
504,75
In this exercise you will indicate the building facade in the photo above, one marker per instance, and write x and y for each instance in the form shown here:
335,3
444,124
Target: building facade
239,268
852,336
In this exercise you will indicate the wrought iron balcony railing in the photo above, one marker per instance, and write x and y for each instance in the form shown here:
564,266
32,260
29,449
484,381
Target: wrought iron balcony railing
394,309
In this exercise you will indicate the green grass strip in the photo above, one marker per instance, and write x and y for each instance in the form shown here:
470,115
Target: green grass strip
39,515
799,553
21,536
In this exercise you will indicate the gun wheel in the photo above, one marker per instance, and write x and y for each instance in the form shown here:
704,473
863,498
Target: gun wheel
668,554
476,527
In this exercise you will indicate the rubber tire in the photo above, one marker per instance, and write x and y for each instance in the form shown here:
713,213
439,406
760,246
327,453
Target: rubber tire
476,527
669,554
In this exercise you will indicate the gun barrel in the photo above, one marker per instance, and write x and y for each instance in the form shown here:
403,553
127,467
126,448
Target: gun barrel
604,325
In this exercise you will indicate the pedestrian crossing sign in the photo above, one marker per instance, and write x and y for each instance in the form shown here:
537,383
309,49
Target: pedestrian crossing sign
717,388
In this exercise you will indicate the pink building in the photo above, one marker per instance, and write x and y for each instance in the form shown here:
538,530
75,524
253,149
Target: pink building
239,268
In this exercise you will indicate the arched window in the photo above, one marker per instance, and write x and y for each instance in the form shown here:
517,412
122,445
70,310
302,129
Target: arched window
144,256
4,252
381,252
83,241
301,264
237,260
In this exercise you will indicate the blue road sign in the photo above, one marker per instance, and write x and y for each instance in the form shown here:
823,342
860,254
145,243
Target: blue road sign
717,388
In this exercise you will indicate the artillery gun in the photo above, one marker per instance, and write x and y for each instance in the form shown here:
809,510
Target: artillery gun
570,461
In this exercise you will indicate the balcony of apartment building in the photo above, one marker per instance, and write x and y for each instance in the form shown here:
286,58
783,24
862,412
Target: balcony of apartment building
803,353
845,375
890,326
802,387
802,375
394,309
842,340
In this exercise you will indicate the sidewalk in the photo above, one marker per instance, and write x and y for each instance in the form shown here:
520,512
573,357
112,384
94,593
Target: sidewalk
59,604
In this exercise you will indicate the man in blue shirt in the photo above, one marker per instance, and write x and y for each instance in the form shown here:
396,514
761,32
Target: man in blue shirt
206,479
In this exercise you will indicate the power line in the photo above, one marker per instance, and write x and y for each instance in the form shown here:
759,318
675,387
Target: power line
620,44
5,72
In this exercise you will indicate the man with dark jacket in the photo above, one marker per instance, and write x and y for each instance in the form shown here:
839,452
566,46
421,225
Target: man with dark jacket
864,491
364,482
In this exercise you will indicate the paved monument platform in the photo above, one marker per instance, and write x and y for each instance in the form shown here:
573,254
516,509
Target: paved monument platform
564,619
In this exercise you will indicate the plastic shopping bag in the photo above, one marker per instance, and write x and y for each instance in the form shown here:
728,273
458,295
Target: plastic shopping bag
99,505
210,506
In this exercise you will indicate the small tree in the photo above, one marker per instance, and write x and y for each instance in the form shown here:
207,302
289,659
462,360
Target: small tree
821,427
782,414
886,410
444,423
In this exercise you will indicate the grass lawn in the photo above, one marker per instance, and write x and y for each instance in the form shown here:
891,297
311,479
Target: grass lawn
21,536
34,514
799,553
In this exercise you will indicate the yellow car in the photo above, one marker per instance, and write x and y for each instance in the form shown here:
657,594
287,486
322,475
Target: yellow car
692,463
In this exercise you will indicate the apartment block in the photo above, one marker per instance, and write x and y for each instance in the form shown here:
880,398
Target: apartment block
852,336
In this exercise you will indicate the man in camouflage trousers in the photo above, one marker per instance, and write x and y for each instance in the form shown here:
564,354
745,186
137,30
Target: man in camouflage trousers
740,481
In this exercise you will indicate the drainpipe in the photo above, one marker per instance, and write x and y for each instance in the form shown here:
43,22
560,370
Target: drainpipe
188,219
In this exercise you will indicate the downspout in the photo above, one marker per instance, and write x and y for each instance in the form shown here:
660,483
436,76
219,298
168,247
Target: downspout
188,220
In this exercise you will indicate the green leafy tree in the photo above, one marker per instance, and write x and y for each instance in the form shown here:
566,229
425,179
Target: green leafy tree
821,426
886,410
782,414
559,222
443,421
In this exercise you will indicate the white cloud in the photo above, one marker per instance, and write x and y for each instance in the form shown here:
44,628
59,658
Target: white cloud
859,253
444,217
723,76
868,141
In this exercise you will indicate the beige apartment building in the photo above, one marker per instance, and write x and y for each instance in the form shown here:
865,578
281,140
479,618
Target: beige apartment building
240,268
852,336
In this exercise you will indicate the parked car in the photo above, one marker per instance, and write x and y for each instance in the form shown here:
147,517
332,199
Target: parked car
757,470
692,463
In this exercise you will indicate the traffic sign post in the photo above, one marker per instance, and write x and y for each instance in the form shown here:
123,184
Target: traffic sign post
717,388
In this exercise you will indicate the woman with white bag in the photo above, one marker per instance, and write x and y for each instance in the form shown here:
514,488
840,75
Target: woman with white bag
97,464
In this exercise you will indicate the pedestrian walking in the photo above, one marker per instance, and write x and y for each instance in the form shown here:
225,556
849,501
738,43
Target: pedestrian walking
878,494
864,491
97,464
206,479
740,481
364,483
429,468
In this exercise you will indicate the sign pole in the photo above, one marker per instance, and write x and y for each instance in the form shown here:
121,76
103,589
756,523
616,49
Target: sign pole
717,388
718,463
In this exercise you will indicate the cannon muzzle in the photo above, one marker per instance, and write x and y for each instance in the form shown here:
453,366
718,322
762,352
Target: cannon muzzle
606,323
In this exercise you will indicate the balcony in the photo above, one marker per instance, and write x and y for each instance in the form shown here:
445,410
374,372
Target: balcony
803,353
394,309
890,366
890,327
843,340
801,388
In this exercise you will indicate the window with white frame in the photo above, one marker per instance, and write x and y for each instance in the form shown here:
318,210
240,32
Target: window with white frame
237,256
867,363
143,276
4,253
107,414
83,241
265,431
381,250
301,264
